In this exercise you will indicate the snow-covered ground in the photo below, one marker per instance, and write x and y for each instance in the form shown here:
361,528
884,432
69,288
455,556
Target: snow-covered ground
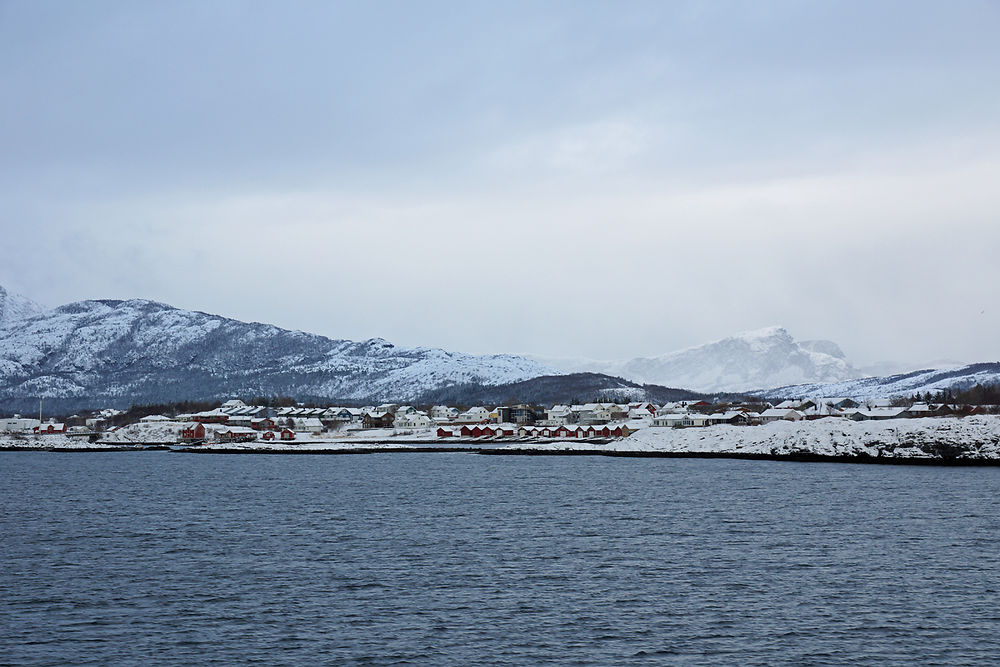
49,441
971,437
975,438
147,433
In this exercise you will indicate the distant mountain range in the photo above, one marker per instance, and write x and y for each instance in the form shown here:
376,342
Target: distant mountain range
763,358
904,384
112,353
769,362
116,353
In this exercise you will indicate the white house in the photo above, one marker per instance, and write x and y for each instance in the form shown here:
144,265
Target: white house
779,414
413,419
444,412
474,415
151,419
673,420
559,414
308,425
18,424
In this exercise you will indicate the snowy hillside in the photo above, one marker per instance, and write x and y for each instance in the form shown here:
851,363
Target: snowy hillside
14,307
907,384
763,358
115,353
968,438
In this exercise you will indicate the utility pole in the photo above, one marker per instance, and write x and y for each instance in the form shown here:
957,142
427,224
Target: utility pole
39,412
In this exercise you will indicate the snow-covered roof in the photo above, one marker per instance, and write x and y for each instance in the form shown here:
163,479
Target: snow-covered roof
778,412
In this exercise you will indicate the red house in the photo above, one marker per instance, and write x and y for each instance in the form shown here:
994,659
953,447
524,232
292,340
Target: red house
263,424
211,417
193,431
237,434
50,428
444,432
287,434
268,435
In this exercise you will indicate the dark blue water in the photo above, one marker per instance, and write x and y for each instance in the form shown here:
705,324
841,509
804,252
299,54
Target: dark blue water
458,559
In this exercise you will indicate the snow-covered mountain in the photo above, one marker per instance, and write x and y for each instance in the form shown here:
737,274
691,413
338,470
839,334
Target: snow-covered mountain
14,307
115,353
767,357
906,384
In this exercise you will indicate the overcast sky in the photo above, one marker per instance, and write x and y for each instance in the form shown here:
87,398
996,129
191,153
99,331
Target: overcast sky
604,180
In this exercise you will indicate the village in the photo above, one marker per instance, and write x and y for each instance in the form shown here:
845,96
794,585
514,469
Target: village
235,421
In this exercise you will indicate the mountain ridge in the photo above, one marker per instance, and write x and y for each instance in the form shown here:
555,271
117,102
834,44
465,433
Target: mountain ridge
117,352
742,362
16,307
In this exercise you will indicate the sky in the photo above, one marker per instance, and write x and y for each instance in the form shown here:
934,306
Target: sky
572,179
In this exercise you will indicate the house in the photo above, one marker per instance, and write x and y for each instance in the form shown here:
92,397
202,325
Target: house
412,420
682,420
236,434
51,427
780,414
263,424
18,424
524,414
287,434
344,414
673,420
211,417
878,414
559,414
193,432
309,425
377,419
444,412
152,419
734,417
268,436
240,420
474,416
443,432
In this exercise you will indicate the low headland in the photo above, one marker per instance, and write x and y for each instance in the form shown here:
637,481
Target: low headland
969,441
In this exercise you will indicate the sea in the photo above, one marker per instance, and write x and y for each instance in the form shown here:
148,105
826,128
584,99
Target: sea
161,558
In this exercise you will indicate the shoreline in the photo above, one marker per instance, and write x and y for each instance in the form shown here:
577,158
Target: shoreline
794,457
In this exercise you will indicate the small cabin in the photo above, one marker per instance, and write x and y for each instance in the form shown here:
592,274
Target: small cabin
192,431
